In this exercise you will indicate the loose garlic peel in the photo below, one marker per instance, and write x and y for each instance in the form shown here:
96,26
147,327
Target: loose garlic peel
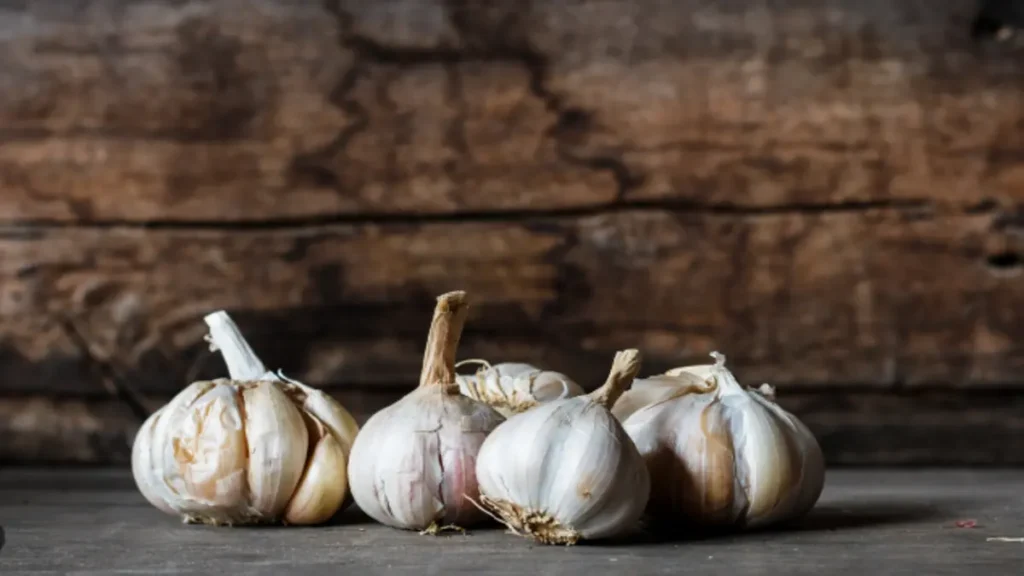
566,470
413,464
513,387
722,455
654,389
257,448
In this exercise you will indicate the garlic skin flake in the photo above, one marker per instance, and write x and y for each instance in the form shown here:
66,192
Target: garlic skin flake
513,387
253,449
653,389
413,465
722,455
566,470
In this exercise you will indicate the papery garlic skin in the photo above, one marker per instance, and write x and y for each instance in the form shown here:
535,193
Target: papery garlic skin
647,391
513,387
413,464
566,470
725,455
251,449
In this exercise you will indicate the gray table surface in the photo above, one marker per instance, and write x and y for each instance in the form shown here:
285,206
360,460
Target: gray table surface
867,522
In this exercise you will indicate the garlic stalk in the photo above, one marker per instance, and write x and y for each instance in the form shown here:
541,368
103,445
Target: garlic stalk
413,464
566,470
513,387
253,449
720,454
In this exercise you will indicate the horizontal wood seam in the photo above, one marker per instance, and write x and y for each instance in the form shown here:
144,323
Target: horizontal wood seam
501,216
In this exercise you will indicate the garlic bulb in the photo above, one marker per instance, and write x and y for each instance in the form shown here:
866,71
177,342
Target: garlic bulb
566,470
413,464
256,448
722,455
513,387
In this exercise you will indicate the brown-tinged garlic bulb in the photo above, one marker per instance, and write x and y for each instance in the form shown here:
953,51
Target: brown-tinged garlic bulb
720,454
253,449
413,465
566,470
513,387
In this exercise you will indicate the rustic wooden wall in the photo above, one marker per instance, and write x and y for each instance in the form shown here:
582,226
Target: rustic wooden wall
828,191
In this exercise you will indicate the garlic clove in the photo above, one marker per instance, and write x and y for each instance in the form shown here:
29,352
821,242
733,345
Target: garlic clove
329,412
208,454
323,486
278,441
164,476
806,468
142,464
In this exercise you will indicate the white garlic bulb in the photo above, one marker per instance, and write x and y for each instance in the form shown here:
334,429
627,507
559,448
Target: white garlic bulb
413,463
566,470
722,455
513,387
253,449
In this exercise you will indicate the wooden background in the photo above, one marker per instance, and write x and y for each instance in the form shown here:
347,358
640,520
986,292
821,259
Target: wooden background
827,191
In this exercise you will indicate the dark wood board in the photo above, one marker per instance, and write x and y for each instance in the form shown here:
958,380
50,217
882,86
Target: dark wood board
874,298
829,192
153,110
882,522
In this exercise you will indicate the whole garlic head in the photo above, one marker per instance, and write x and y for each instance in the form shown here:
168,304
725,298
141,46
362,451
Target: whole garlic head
720,454
566,470
413,465
253,449
513,387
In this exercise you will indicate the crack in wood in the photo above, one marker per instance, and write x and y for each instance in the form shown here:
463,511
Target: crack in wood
112,378
496,48
469,216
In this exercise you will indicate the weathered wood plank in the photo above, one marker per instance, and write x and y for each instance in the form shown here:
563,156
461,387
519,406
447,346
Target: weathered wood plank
875,298
897,523
65,431
150,110
857,428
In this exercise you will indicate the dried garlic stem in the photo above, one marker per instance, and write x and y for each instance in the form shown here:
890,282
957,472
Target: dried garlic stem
724,379
624,369
443,341
243,364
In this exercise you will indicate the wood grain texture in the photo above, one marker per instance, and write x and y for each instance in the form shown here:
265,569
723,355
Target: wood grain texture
828,192
152,110
854,428
862,298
